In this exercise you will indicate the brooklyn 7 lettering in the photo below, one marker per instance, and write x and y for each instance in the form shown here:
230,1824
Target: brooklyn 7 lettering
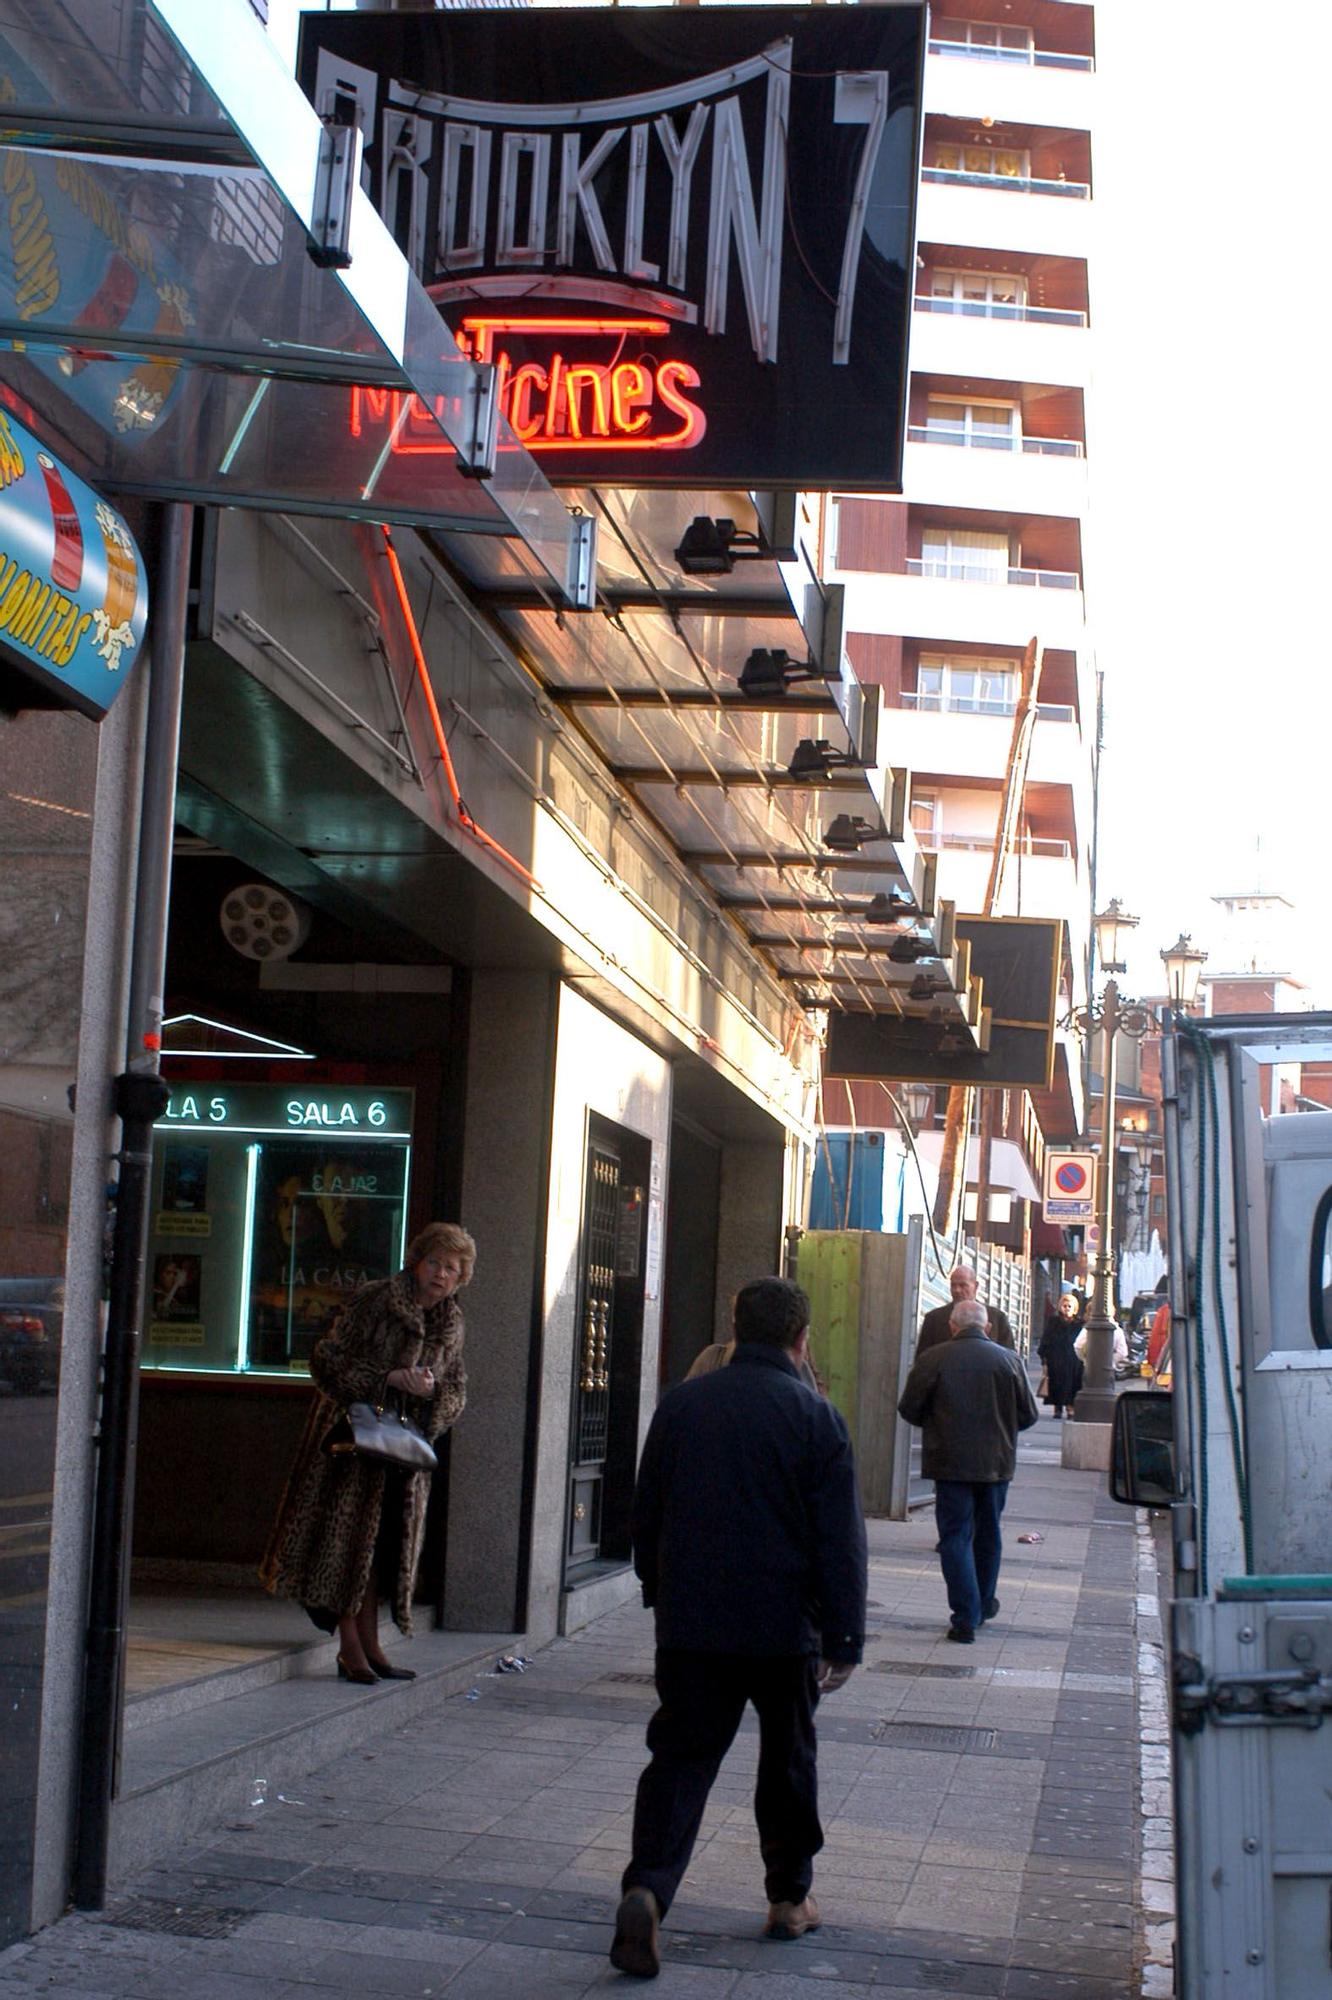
495,200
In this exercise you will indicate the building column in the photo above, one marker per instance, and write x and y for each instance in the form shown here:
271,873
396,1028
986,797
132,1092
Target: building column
751,1220
510,1067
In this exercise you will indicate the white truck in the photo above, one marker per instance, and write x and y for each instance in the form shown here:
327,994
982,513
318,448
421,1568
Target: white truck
1241,1452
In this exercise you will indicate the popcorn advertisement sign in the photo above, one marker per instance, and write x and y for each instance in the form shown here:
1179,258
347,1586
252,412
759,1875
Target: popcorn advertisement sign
73,593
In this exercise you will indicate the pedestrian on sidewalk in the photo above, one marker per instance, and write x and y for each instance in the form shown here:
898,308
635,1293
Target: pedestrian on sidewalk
349,1530
1063,1364
722,1353
970,1398
749,1542
963,1284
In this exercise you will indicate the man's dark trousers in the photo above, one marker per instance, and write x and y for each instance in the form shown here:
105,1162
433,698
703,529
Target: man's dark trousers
702,1697
970,1546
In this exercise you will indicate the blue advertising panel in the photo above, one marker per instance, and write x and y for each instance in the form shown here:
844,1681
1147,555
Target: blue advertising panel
73,594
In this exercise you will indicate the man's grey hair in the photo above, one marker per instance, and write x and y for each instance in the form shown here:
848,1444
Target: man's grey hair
968,1312
970,1270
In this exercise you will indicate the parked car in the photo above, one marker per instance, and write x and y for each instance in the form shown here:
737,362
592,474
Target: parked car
31,1315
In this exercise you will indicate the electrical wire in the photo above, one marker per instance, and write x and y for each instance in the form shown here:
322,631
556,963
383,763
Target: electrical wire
920,1175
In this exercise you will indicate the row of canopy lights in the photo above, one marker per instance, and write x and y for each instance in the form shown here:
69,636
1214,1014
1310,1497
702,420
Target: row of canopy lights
711,547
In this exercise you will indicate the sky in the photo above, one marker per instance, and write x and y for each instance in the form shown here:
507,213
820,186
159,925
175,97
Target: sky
1208,550
1208,565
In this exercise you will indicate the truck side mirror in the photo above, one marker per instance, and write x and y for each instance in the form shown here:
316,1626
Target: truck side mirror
1142,1449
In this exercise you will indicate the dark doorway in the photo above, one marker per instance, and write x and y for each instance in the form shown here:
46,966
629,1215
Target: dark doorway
690,1320
608,1354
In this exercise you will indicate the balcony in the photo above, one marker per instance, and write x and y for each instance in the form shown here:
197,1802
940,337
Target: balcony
947,611
1031,58
1008,183
955,570
950,741
934,842
1003,343
941,704
1039,87
1011,476
1037,882
1052,447
994,212
994,309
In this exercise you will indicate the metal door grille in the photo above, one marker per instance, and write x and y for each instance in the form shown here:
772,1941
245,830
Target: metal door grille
591,1431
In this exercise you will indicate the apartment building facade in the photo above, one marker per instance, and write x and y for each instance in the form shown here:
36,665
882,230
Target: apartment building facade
986,549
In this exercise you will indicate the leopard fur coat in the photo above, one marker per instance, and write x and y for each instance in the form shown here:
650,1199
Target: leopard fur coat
322,1547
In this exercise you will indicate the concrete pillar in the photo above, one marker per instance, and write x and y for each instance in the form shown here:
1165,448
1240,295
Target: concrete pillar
750,1224
101,1057
510,1062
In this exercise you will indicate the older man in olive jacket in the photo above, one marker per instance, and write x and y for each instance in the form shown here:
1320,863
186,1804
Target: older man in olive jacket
970,1397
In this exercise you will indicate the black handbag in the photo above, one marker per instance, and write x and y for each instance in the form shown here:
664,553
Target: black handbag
384,1433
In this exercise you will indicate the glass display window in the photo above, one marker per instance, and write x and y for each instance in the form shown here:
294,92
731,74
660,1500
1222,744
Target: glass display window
271,1206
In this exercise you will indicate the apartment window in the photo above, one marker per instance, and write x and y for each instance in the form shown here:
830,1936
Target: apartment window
994,294
966,555
925,818
987,39
1006,163
987,426
966,686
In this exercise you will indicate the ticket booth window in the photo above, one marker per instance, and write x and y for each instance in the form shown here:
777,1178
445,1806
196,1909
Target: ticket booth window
270,1208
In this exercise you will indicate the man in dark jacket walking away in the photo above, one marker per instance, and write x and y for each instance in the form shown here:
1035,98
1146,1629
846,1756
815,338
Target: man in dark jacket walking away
750,1545
936,1327
970,1398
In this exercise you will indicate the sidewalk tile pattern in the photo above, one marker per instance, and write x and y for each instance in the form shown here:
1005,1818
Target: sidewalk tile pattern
476,1853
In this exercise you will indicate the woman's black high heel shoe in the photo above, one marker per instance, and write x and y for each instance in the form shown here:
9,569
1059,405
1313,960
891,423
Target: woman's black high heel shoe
362,1676
385,1672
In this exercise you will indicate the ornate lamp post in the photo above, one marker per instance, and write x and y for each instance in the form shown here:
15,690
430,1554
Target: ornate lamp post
1110,1017
1183,969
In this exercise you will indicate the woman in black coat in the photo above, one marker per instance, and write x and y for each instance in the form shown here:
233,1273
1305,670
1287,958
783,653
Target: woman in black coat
1063,1367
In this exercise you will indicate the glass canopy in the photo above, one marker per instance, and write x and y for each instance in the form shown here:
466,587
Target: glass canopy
168,327
163,320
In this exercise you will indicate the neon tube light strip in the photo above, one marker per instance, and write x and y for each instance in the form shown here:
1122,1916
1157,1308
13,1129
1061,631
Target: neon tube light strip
371,1135
247,1255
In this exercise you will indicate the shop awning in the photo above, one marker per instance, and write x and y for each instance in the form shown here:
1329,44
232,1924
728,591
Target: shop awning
167,321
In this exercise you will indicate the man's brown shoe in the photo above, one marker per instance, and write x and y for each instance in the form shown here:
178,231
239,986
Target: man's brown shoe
635,1948
792,1920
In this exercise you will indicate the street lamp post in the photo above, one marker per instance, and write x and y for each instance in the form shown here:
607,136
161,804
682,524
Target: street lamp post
1110,1018
1183,964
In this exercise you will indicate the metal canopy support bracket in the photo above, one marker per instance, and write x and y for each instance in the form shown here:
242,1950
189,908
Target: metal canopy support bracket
581,586
481,414
337,175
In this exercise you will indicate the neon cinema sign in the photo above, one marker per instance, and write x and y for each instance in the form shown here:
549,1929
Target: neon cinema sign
555,394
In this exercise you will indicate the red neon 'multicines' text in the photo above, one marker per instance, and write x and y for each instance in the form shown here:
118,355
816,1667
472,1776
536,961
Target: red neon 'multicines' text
561,403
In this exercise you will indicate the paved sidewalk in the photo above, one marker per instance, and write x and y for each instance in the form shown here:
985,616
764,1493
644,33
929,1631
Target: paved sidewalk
981,1809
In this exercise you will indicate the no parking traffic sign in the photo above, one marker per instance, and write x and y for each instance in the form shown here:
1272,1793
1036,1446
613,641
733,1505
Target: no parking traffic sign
1070,1187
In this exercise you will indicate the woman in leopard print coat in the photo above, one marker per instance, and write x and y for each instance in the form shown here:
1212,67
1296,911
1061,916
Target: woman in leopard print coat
349,1528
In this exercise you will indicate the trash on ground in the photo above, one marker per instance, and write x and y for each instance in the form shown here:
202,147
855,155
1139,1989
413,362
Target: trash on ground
258,1791
473,1694
1031,1538
510,1663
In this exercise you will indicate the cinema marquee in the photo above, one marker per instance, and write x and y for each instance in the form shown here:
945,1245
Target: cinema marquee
683,238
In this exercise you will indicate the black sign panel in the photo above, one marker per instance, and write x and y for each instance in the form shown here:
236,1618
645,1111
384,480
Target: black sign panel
683,236
1018,959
